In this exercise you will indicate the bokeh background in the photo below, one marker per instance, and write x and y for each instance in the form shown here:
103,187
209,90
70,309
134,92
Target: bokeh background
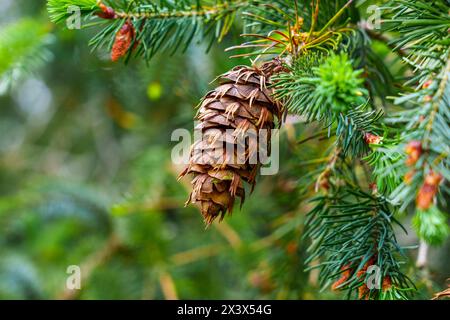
86,179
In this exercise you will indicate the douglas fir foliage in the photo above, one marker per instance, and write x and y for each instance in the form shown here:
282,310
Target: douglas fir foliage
315,59
22,48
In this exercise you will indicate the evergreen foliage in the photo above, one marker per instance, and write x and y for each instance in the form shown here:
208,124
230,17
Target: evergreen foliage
365,144
23,47
326,80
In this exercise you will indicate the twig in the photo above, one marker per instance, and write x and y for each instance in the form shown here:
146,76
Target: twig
422,255
168,286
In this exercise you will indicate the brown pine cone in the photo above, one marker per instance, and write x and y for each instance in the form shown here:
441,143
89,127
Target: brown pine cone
221,160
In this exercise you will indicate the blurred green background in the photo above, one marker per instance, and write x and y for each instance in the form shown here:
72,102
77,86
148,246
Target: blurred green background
86,179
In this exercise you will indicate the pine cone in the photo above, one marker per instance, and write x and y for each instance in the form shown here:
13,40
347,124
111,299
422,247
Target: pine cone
221,160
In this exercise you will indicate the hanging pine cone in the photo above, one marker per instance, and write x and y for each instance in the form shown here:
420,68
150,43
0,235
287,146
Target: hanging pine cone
221,160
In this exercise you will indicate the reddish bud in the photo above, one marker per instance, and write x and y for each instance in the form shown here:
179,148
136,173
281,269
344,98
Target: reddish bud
363,270
387,283
363,292
261,280
427,84
433,178
427,98
347,272
373,187
323,182
372,138
292,247
106,12
427,192
408,177
123,41
413,150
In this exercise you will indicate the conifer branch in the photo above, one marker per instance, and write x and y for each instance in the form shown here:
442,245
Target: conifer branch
423,29
329,76
23,48
146,27
353,238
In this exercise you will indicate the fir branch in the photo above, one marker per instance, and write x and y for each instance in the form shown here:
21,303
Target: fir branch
266,17
156,26
422,29
298,35
423,32
386,163
23,48
321,88
353,237
59,10
328,90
